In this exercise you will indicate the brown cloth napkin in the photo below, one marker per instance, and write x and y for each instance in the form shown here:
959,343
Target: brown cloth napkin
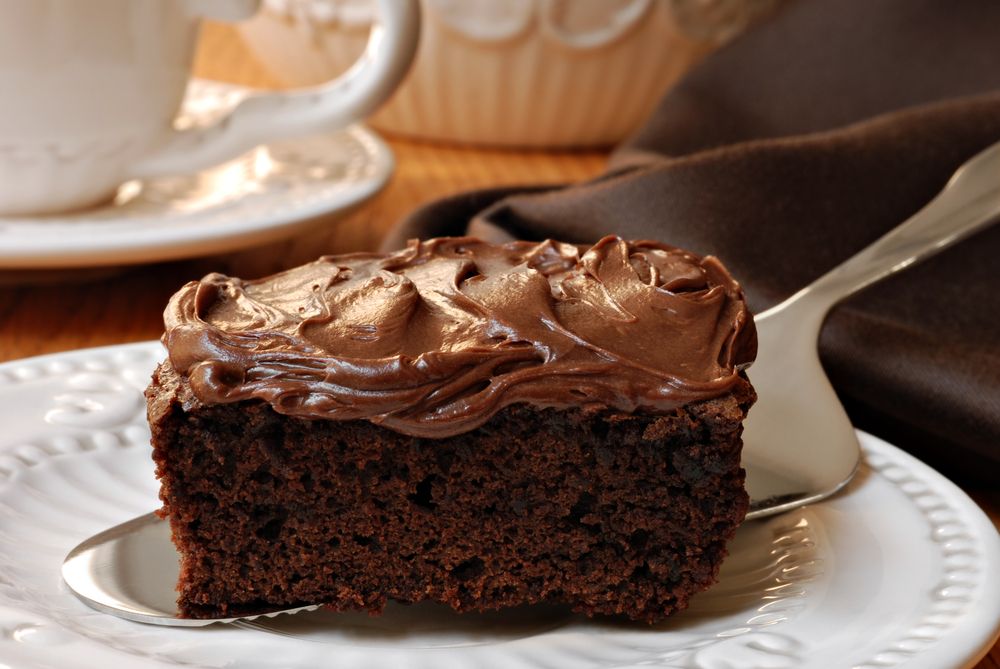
789,150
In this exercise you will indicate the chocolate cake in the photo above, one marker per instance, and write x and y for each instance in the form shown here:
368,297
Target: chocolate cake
478,425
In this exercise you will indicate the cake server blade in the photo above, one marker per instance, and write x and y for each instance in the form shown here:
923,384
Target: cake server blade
798,443
131,571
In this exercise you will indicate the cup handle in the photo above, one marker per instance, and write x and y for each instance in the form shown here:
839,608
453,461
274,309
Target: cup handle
270,116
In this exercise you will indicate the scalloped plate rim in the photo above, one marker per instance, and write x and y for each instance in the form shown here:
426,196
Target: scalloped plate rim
967,641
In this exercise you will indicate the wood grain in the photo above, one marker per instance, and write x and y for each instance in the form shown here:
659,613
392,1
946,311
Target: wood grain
47,312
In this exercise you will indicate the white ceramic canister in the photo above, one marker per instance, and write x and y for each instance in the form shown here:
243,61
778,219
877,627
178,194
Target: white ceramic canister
533,73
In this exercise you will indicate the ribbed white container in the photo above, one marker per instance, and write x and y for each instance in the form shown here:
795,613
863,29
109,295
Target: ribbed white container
552,73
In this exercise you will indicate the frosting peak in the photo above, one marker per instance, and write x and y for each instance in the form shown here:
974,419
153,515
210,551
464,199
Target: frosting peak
436,338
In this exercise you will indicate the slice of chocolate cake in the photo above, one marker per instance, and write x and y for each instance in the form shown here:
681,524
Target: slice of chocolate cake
479,425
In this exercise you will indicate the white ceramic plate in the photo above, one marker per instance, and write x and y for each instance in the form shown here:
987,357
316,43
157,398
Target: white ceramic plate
899,570
267,194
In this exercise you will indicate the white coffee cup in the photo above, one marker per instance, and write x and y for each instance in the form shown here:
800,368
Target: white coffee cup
89,91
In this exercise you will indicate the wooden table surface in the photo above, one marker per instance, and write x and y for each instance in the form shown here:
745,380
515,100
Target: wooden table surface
43,314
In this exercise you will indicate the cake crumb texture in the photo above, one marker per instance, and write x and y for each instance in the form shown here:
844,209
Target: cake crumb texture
607,512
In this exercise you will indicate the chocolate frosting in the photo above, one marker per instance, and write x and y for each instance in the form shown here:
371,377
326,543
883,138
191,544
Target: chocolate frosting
433,340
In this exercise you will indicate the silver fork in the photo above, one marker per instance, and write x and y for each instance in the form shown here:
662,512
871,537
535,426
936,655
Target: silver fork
799,446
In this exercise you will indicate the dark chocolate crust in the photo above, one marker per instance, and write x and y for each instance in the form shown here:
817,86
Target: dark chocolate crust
608,512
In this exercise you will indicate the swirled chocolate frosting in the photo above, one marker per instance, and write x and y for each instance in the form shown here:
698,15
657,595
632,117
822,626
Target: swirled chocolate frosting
434,339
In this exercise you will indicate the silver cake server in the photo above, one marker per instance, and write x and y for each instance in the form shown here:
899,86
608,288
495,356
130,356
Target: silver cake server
799,446
131,571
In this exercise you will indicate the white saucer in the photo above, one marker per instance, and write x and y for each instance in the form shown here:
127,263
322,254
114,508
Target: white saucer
900,570
268,194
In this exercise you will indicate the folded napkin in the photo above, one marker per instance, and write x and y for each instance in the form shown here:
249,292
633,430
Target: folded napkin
786,152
